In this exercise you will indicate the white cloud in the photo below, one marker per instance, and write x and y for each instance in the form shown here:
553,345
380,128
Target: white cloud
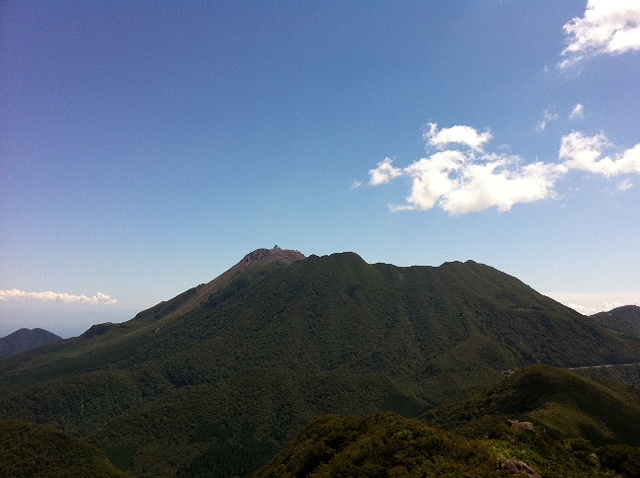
577,112
547,117
591,303
432,178
61,297
585,153
500,183
464,135
607,27
384,173
461,181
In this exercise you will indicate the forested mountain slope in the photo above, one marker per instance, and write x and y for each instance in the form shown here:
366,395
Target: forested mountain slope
223,374
29,450
625,319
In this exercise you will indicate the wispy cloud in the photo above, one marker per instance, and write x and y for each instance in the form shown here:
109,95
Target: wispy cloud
607,27
548,115
577,112
60,297
465,180
625,184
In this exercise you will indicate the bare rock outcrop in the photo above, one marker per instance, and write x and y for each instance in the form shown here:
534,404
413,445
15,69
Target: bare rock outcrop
522,426
518,468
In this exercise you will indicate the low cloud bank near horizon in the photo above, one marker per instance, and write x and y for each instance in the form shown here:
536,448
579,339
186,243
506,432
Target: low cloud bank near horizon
60,297
61,319
465,178
589,303
608,27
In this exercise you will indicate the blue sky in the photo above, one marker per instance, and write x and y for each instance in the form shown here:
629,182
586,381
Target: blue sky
146,147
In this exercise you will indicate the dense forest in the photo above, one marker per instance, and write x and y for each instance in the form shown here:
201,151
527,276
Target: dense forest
224,375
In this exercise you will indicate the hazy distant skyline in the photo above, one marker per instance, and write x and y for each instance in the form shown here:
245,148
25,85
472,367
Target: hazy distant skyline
146,147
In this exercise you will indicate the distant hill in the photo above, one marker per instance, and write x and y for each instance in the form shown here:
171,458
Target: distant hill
222,375
625,322
625,319
25,339
28,450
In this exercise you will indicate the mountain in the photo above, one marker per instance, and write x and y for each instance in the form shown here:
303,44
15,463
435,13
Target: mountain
625,319
562,407
222,375
25,339
28,450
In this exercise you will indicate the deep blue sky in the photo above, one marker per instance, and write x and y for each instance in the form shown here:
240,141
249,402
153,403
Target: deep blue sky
146,147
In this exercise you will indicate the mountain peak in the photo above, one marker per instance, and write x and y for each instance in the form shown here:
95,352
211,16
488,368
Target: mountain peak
268,256
190,299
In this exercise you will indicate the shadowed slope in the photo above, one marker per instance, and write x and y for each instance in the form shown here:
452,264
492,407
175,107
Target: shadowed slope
28,450
24,339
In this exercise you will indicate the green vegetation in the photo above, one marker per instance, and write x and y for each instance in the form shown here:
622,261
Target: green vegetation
624,320
387,445
566,405
28,450
223,375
